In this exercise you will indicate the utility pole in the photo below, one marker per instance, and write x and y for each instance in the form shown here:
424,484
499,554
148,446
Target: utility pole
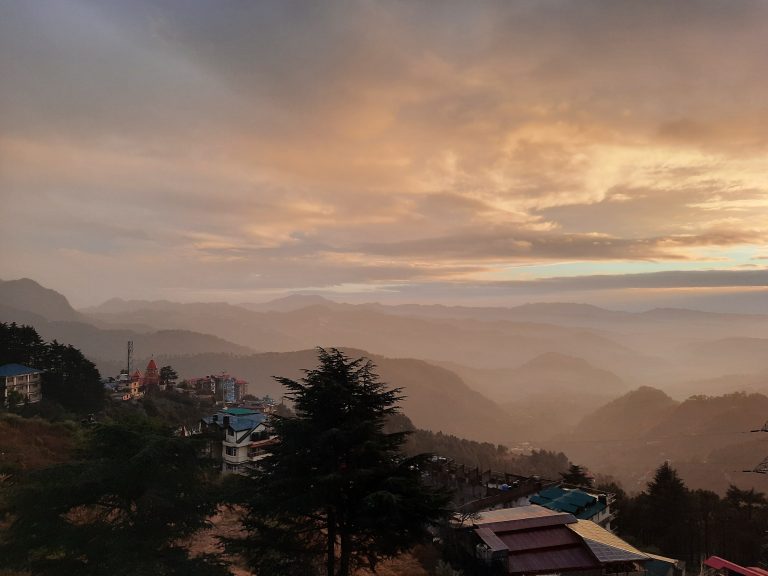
130,356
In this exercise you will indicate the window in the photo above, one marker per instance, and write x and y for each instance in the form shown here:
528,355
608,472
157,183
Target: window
231,451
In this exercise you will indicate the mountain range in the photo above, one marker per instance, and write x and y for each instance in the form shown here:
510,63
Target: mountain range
559,375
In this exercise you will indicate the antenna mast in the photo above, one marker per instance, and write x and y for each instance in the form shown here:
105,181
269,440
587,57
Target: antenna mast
130,356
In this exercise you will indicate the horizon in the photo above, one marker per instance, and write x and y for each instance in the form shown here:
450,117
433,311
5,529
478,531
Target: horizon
735,308
483,155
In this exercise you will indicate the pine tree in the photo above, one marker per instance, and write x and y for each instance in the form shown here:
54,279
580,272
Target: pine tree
125,506
576,475
668,511
336,493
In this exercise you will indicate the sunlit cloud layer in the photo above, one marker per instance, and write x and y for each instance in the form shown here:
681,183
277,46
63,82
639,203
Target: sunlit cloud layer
231,150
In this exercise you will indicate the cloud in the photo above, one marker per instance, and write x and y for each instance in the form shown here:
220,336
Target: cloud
286,145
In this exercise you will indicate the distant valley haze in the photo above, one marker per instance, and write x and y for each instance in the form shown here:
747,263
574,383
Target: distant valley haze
615,390
547,221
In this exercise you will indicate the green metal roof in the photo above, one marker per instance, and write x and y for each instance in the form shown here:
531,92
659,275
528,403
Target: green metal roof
576,502
240,411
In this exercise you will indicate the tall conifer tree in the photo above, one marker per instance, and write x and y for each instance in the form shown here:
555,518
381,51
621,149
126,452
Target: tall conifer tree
336,493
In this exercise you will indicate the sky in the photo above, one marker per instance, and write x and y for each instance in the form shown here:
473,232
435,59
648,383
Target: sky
612,152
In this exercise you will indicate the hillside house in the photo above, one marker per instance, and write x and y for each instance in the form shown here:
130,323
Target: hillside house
22,380
244,438
534,540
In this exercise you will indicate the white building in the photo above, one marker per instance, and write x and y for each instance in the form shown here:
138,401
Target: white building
245,438
22,380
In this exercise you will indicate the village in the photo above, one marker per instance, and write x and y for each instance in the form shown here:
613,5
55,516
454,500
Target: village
510,524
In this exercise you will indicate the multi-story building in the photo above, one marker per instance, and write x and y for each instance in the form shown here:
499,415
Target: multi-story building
244,438
22,380
225,388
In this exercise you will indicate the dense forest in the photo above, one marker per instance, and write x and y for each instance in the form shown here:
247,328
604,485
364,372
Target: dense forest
692,525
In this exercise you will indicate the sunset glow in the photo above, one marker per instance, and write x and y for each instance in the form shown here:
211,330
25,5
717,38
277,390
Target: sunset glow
498,152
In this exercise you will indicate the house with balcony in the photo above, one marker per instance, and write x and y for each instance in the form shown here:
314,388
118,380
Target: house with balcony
244,438
23,382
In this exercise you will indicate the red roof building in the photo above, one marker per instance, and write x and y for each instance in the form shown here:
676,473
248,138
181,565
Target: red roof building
151,374
530,540
716,566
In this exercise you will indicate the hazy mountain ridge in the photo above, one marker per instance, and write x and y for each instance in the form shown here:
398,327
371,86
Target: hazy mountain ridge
101,344
28,296
639,347
571,368
477,342
545,374
629,436
435,398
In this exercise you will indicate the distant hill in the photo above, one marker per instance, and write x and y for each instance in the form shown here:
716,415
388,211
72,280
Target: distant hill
629,437
28,296
551,375
630,416
100,344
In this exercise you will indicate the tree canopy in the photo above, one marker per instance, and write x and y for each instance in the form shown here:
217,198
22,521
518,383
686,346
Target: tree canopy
69,378
122,507
168,375
576,475
336,492
694,524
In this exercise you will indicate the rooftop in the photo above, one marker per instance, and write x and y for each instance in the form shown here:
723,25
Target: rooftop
239,411
720,563
577,502
16,370
537,540
605,546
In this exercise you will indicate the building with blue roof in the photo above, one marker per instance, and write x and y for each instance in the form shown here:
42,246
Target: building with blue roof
583,505
244,438
21,381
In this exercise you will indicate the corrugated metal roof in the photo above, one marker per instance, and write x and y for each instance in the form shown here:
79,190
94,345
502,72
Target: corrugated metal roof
579,498
537,539
607,547
577,502
490,539
548,561
511,514
552,492
662,558
558,519
16,370
238,423
240,411
719,563
561,506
